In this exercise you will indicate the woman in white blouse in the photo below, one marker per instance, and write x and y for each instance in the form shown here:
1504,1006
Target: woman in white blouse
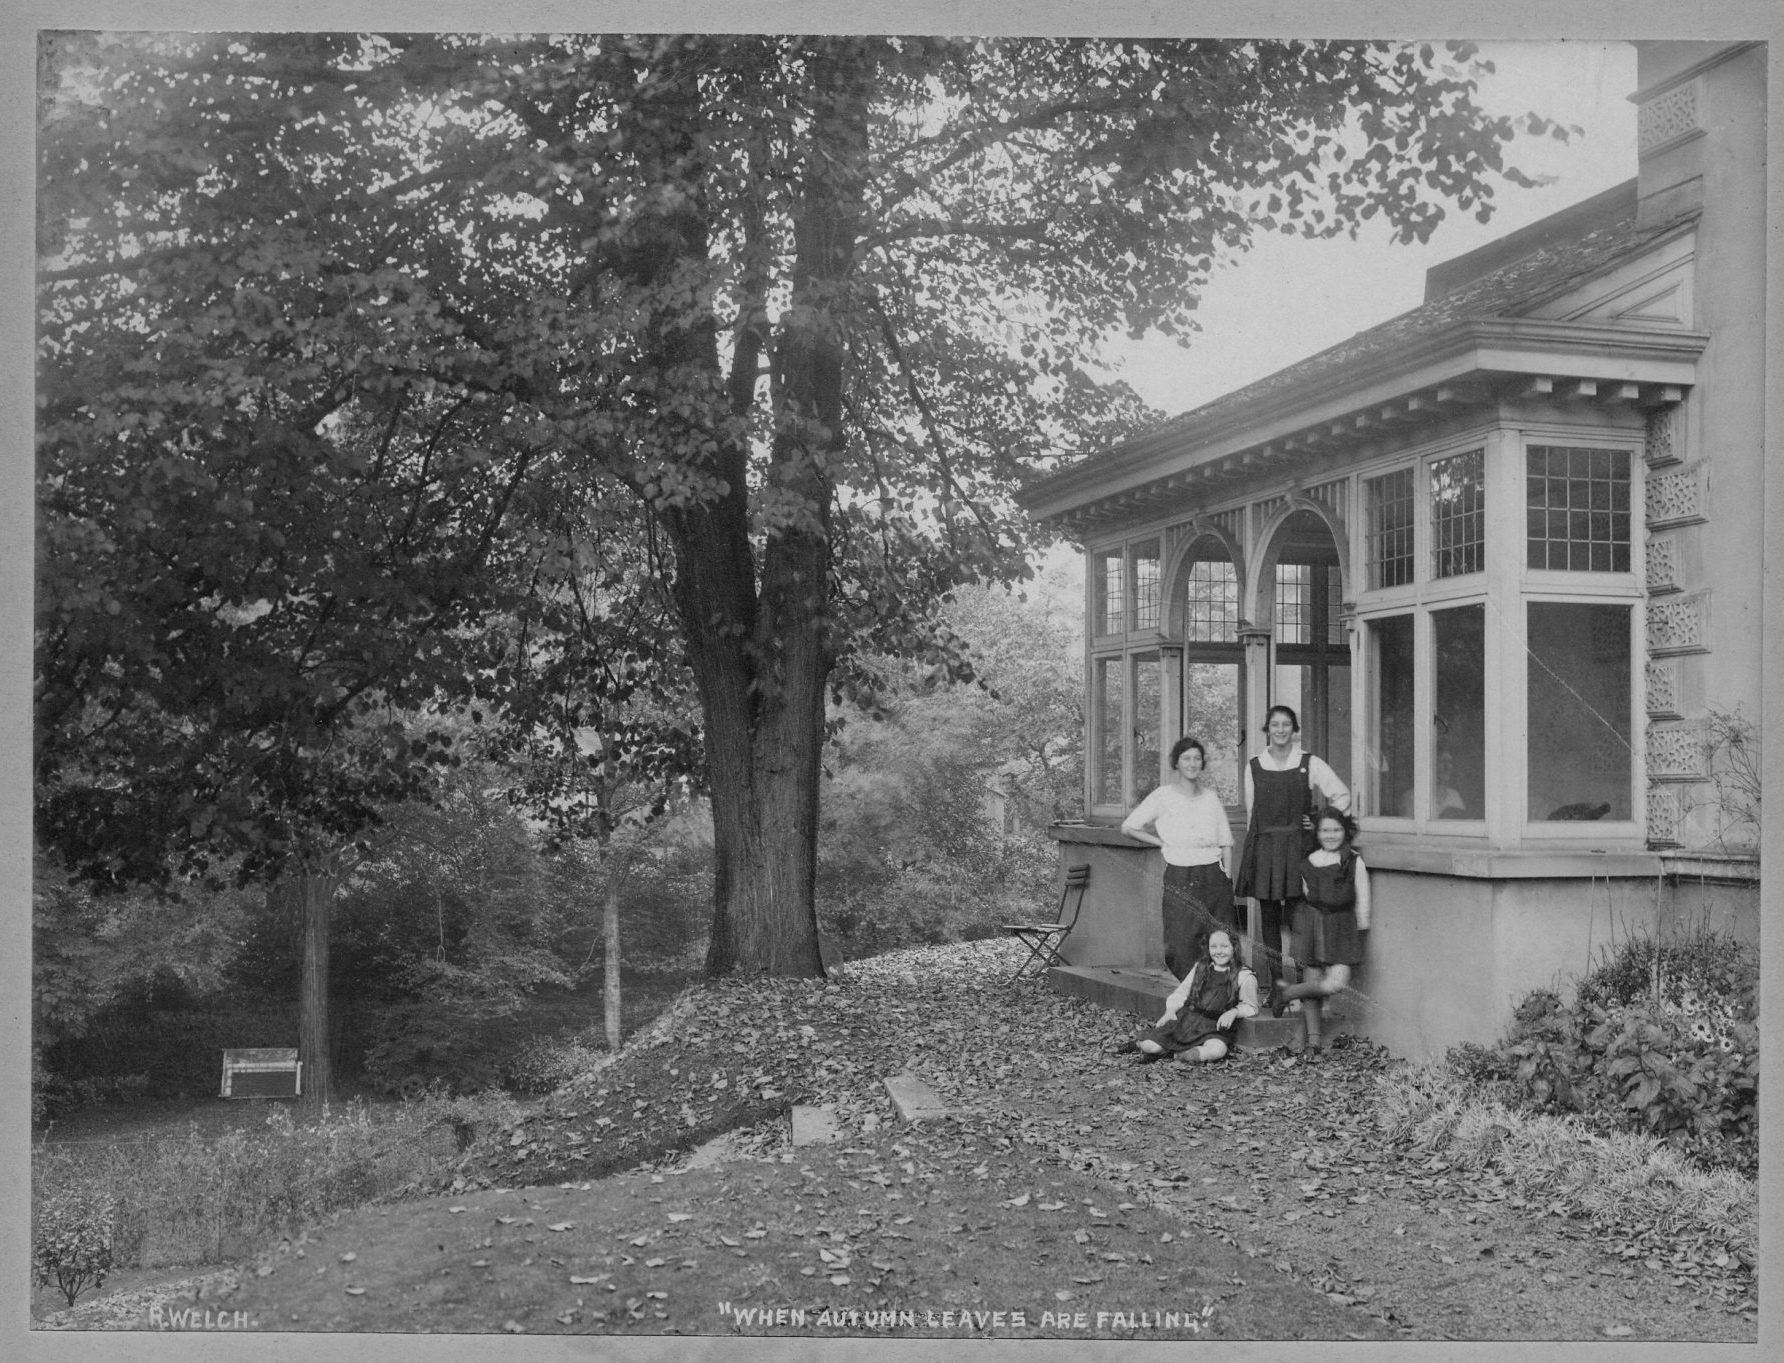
1190,827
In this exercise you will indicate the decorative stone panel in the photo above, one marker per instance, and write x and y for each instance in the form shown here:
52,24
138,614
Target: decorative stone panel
1663,566
1676,753
1666,816
1663,691
1668,119
1665,443
1677,625
1677,498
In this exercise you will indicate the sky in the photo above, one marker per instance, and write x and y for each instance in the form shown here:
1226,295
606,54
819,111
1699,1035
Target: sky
1288,298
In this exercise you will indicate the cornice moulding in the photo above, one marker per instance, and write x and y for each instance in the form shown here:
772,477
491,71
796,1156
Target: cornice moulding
1493,348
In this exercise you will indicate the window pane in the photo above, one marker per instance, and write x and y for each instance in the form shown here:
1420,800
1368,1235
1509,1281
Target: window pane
1459,740
1147,714
1388,747
1211,713
1211,614
1105,702
1458,514
1579,697
1146,585
1320,695
1106,593
1570,522
1294,602
1388,537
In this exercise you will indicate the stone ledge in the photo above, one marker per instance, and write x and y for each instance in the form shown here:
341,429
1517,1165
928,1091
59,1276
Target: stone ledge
1142,993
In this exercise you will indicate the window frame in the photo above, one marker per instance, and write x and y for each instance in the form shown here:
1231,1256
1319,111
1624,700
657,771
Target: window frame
1506,586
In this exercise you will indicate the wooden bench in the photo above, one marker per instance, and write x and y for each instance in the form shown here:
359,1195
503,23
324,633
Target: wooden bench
262,1072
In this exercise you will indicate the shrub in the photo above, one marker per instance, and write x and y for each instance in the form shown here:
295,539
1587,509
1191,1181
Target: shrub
1662,1038
71,1241
1476,1064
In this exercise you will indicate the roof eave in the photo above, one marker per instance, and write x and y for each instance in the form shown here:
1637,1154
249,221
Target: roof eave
1492,348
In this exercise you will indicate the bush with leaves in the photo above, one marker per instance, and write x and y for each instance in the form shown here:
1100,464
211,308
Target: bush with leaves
1662,1037
71,1241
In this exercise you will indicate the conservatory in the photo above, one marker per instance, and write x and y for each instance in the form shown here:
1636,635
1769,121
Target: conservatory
1502,554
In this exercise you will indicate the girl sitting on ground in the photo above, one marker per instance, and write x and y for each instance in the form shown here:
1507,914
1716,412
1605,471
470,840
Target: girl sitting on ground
1201,1013
1330,922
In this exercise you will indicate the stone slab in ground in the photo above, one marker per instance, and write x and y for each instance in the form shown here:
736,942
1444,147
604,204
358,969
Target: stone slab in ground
914,1099
813,1125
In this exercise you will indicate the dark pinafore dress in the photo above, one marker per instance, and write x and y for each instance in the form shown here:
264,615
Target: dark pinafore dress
1275,842
1326,930
1213,993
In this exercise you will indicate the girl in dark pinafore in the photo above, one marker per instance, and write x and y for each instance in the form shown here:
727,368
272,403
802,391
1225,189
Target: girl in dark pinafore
1279,832
1330,922
1202,1012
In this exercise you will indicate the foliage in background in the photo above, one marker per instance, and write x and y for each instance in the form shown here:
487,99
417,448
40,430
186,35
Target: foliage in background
913,845
1662,1038
1026,649
458,950
91,951
321,310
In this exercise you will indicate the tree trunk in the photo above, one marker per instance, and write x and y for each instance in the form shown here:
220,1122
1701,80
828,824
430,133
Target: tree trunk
758,634
610,944
765,771
315,894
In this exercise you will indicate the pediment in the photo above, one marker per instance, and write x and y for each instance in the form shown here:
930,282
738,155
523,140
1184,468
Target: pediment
1655,289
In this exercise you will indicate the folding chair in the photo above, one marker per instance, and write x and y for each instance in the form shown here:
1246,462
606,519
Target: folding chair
1043,940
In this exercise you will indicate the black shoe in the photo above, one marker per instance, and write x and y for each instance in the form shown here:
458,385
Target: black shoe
1127,1048
1153,1057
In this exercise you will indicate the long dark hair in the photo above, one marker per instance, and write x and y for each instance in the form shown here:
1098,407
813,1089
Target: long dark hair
1235,965
1347,853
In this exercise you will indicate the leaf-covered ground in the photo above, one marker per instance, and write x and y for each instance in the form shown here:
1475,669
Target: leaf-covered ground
1073,1193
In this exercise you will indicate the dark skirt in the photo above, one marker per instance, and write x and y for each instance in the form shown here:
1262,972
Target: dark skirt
1190,1030
1270,867
1197,899
1326,936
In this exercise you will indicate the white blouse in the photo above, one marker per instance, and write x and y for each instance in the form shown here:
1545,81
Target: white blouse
1192,829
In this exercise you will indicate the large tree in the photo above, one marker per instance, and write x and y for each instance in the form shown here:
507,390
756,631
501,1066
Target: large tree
816,305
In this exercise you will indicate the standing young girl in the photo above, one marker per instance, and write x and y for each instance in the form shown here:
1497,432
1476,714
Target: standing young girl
1330,921
1279,786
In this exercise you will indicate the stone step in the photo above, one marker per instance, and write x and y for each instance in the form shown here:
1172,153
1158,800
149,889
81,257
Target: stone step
1142,992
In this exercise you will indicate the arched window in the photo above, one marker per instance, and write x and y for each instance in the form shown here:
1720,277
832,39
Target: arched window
1312,671
1213,691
